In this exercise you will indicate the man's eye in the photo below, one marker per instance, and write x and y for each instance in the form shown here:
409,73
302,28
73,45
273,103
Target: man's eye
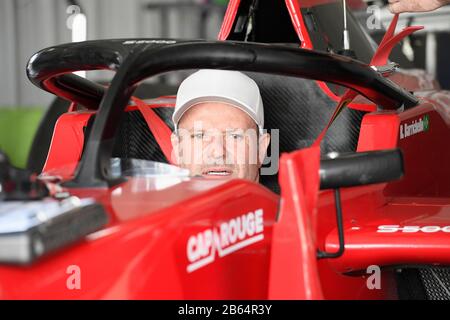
236,136
198,135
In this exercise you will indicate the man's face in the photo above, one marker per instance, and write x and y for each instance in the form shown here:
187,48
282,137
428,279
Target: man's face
218,140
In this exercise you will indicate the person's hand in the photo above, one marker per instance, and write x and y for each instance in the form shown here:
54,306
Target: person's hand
399,6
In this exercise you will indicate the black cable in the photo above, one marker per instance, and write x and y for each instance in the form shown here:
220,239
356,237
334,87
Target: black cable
340,226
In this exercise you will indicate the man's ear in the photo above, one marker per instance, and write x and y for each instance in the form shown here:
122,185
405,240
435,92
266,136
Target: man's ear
175,148
264,141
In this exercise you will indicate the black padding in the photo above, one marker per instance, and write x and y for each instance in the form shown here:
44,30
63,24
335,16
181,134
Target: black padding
135,140
299,109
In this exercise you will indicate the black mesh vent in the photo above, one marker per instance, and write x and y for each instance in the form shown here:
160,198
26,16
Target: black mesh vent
430,283
134,139
436,282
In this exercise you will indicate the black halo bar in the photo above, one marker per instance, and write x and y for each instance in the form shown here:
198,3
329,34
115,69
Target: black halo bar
136,60
51,69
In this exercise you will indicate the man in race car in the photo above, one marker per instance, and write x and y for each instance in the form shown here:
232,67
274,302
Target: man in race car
219,119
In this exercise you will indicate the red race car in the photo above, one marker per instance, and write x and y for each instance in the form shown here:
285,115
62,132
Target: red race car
361,211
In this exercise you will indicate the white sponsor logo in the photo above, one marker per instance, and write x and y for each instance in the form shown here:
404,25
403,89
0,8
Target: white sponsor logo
230,236
412,229
149,42
417,126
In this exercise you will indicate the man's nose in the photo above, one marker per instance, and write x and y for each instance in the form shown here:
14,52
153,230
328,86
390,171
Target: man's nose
217,147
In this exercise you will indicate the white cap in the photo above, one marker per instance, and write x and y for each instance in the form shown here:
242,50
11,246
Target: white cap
231,87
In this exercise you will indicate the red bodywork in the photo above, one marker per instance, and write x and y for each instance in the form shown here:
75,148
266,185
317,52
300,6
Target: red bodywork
143,252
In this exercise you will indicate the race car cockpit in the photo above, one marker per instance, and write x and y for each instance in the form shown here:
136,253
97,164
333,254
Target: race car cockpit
282,95
293,104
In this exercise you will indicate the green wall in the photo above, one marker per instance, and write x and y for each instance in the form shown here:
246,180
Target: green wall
17,128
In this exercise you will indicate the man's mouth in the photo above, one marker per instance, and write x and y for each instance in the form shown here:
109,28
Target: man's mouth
217,172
